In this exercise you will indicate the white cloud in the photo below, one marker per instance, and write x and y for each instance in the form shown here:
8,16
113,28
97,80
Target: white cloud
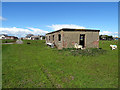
1,18
106,33
114,34
38,31
20,32
60,26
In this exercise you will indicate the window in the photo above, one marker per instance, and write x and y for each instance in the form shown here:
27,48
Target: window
59,37
49,38
53,37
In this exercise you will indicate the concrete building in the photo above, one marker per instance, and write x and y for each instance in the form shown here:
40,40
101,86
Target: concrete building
66,38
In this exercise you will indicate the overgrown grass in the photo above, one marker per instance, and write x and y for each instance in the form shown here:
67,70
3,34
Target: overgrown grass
84,52
36,65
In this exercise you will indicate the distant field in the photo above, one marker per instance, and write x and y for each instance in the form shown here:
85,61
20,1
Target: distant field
8,40
36,65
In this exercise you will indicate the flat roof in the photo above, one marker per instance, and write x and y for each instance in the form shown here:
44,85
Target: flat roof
68,29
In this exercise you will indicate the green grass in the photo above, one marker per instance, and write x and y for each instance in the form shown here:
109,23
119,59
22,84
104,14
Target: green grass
8,40
36,65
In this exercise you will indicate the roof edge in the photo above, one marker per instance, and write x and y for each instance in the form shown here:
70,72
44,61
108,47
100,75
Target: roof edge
67,29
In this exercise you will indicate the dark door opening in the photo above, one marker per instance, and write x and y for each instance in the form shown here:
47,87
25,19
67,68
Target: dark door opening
82,40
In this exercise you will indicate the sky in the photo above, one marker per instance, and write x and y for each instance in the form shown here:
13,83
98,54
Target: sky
22,18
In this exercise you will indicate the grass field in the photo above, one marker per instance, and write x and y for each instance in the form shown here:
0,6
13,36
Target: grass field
36,65
8,40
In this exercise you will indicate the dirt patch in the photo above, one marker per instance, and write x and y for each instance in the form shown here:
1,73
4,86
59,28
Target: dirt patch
67,79
58,86
41,84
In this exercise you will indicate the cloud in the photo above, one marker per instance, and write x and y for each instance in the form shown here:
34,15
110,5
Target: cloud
106,33
37,30
60,26
21,32
1,18
114,34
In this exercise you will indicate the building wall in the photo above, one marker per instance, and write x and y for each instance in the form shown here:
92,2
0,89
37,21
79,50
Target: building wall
72,37
69,38
92,40
55,41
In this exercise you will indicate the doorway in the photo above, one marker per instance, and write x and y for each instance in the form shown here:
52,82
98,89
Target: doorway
82,40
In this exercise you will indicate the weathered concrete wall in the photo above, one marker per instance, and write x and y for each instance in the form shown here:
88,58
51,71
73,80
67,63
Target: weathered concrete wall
55,41
91,39
69,38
